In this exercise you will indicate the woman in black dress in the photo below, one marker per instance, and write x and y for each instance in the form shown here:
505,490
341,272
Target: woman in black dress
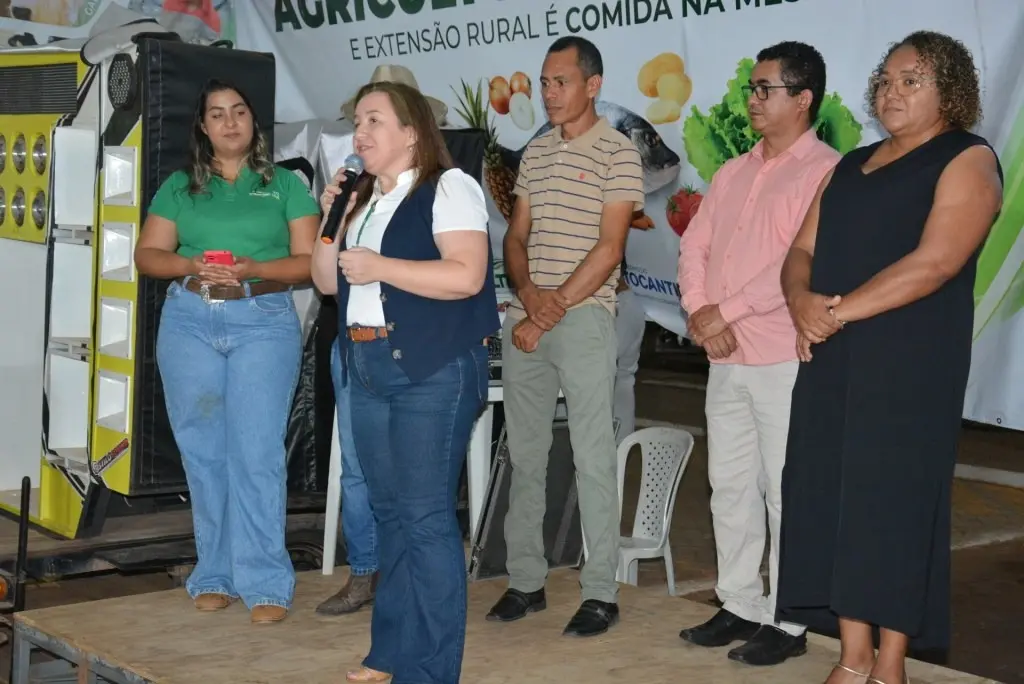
879,282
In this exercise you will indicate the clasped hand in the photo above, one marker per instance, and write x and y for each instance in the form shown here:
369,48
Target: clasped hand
708,329
544,310
705,323
814,320
243,269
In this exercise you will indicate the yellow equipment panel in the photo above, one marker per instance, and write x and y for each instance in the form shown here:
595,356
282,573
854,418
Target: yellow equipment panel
36,91
118,310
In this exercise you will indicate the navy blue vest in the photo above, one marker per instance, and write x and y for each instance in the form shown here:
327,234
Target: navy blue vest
425,333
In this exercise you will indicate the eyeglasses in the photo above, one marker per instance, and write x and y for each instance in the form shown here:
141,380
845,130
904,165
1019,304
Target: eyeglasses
763,91
904,86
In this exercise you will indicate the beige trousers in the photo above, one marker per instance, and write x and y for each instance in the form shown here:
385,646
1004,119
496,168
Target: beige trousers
748,423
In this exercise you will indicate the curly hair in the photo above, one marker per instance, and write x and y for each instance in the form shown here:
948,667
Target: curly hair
956,77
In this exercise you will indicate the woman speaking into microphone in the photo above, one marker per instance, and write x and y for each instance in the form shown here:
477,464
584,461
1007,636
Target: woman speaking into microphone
412,272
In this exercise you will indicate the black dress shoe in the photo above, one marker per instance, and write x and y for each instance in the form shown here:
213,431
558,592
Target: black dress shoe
515,604
721,630
769,646
593,617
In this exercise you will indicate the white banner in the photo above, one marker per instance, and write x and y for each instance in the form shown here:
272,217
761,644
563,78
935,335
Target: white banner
672,74
995,393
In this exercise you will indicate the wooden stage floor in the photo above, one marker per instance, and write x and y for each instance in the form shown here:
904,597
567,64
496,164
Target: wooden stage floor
160,637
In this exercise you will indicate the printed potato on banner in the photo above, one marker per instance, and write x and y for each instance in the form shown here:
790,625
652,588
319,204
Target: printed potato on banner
664,78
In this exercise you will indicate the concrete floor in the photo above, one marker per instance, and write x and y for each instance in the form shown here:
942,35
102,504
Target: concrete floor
988,572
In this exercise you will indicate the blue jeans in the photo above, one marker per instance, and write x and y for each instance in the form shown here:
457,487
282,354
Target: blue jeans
229,371
412,440
357,524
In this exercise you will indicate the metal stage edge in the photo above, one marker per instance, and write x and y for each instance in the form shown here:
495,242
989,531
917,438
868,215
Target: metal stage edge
74,667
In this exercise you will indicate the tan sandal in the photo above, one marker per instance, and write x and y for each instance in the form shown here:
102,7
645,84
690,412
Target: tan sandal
366,674
209,603
864,675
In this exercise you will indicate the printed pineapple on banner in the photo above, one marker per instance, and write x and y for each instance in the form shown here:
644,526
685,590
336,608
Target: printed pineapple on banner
474,110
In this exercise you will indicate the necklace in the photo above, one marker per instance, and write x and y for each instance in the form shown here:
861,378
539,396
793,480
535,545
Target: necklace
359,235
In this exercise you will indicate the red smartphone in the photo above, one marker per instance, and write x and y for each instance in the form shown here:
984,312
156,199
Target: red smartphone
221,257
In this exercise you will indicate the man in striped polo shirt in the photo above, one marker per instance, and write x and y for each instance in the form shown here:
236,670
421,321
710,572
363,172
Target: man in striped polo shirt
578,187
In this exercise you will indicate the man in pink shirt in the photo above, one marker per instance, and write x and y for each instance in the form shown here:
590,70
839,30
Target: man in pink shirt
729,276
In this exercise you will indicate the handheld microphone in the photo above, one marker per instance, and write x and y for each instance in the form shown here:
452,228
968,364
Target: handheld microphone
353,168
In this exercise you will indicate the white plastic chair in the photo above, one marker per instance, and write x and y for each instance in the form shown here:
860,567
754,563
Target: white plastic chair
665,452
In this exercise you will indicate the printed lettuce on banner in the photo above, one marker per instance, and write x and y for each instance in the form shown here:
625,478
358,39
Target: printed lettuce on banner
38,22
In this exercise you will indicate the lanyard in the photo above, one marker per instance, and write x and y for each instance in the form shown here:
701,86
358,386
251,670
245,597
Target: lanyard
362,225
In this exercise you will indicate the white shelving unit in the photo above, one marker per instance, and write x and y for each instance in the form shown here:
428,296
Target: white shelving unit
70,344
67,390
71,299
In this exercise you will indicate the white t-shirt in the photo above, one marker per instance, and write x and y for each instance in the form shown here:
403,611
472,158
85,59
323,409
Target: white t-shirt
458,205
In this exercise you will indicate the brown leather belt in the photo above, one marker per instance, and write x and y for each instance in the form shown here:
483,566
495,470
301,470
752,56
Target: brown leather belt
358,333
363,334
230,292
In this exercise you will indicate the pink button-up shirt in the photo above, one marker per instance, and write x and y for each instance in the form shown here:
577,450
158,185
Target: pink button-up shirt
732,252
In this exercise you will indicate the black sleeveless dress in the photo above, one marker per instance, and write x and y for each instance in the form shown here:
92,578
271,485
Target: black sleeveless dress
876,416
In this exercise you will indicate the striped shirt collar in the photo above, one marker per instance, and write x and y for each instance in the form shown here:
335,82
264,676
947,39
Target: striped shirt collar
586,139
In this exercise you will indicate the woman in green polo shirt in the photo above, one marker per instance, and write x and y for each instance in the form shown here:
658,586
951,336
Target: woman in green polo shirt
229,345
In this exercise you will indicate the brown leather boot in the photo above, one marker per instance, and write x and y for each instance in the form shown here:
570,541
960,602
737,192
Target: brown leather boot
357,592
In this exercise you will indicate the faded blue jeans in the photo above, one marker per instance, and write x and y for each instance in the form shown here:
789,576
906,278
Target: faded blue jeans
229,371
357,524
412,438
